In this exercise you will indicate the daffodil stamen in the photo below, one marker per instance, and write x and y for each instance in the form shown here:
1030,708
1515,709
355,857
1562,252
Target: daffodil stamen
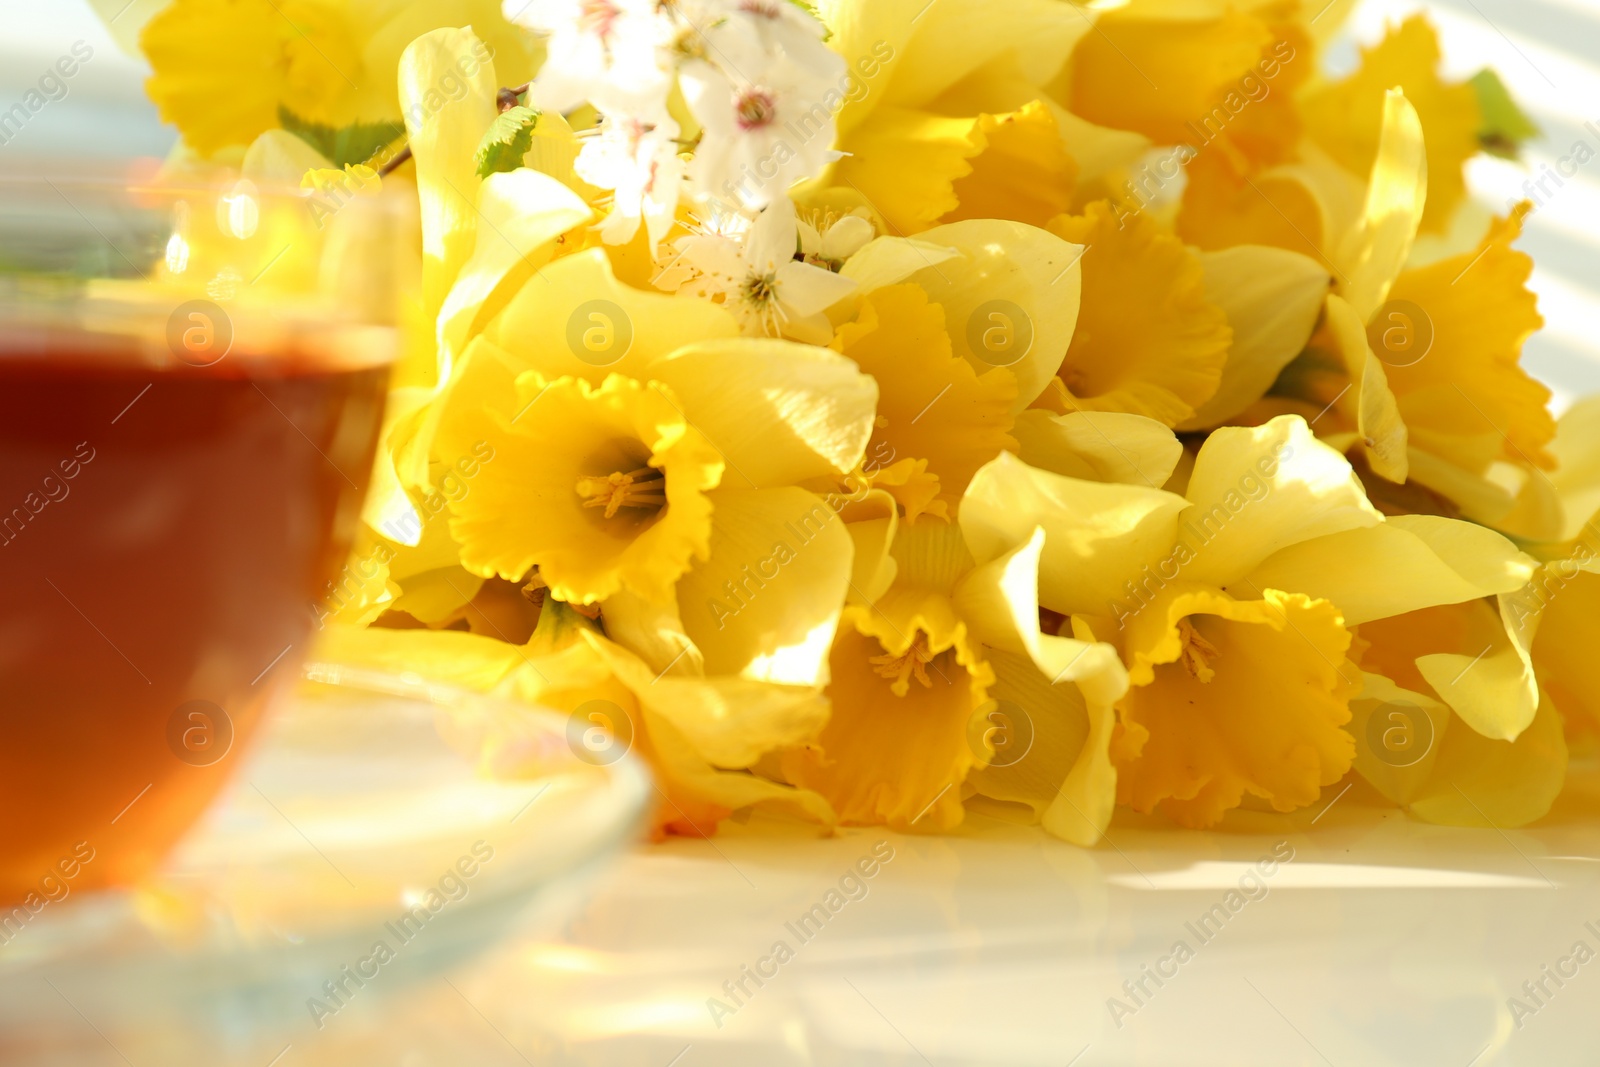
912,663
1197,652
642,488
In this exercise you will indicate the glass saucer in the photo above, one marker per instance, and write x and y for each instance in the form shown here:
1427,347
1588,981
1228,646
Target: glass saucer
355,852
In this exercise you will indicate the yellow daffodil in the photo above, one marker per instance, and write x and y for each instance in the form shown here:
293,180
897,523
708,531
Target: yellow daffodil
1566,594
1148,340
1434,724
1258,558
604,488
698,734
1199,728
481,238
900,340
770,561
1450,720
944,117
226,72
1221,81
1302,206
1099,446
1418,369
962,326
1346,118
1561,603
913,683
1011,293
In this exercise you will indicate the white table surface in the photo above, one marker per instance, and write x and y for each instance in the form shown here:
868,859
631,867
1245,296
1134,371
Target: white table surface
1383,941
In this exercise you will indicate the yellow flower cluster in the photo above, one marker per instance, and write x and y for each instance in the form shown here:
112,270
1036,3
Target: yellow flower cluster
1127,415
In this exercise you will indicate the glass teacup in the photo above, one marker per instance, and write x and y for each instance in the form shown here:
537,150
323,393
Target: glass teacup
191,387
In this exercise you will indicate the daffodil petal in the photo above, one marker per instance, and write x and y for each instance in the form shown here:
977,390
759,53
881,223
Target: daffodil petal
1344,117
1258,490
448,656
1065,735
1272,298
766,601
1479,499
386,506
1149,340
1099,446
1577,475
1494,692
653,631
443,133
575,317
1012,277
694,782
1099,149
1000,604
1082,807
523,212
1396,192
780,412
907,160
278,157
435,597
1406,720
872,38
1565,602
1378,420
1482,782
730,722
1096,535
875,566
954,38
891,260
931,405
1406,564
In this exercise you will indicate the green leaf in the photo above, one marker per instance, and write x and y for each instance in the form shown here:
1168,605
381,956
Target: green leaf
1505,126
508,140
356,143
811,9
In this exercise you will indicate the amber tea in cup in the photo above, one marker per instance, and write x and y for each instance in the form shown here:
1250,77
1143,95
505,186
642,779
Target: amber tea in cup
184,445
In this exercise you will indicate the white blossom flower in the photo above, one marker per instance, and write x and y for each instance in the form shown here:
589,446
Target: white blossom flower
764,130
828,240
785,29
639,160
610,53
758,279
744,36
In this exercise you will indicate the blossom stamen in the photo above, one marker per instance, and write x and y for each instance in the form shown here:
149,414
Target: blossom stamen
642,488
755,108
760,292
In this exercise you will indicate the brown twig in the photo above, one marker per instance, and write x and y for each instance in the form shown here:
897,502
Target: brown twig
394,162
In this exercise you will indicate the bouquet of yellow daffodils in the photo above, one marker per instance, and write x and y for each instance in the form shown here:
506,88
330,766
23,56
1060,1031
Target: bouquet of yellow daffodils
877,410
